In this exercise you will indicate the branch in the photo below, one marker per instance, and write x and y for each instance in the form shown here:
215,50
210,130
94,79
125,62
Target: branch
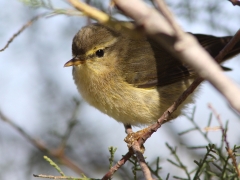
57,153
153,128
137,150
182,45
101,17
90,11
114,168
179,35
29,23
53,177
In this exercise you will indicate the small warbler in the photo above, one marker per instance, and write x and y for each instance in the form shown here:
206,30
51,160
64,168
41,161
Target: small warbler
134,80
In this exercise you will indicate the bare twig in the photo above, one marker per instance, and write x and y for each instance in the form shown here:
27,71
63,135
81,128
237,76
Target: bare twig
229,150
228,47
53,177
29,23
68,12
120,163
137,150
57,153
71,124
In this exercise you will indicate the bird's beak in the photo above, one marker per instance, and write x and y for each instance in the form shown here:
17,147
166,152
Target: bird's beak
73,62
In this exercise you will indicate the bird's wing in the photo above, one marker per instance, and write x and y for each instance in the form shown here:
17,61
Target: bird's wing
164,69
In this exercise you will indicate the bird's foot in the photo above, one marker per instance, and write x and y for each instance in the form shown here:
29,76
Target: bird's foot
135,136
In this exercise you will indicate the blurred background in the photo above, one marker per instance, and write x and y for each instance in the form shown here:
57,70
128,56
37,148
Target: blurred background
39,95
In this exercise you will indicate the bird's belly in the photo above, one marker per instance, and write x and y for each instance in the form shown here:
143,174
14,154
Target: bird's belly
126,107
126,103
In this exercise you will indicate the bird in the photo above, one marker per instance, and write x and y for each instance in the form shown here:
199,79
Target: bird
133,79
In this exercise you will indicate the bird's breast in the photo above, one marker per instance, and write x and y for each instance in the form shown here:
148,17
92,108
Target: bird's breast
116,98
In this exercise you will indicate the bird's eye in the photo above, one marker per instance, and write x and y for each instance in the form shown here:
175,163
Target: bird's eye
100,53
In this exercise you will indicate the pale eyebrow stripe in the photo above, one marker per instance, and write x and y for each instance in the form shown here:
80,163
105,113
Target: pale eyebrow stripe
101,46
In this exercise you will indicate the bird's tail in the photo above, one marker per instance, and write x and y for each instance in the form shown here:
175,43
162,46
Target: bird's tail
215,44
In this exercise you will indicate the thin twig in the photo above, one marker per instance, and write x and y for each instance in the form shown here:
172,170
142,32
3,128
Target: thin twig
29,23
228,47
53,177
57,153
146,171
120,163
71,124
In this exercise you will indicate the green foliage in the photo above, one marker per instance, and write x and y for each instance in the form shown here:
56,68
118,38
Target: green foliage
53,164
204,163
216,161
213,165
63,176
157,169
47,4
178,164
112,151
38,3
135,166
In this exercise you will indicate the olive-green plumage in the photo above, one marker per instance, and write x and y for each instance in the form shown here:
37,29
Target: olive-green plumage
132,79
